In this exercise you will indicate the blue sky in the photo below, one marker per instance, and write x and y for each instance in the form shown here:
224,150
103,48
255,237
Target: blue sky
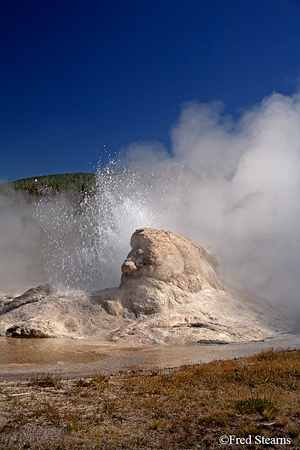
77,76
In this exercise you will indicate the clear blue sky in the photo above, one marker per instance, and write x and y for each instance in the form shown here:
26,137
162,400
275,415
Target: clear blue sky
77,75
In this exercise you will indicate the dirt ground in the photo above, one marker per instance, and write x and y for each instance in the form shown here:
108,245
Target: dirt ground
251,402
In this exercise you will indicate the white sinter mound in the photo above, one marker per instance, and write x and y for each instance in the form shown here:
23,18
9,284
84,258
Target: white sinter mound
170,293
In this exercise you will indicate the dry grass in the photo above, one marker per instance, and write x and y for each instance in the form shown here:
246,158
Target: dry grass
188,408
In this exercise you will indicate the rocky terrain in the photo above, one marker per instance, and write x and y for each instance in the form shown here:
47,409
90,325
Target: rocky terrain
170,293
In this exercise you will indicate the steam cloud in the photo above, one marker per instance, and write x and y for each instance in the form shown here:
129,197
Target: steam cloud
240,190
20,243
231,185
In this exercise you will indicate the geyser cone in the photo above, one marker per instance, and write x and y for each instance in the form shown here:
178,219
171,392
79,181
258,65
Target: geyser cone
170,293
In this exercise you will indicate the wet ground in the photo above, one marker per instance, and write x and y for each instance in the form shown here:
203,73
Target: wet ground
68,358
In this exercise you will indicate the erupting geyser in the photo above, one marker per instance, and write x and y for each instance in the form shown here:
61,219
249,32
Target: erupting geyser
86,242
170,293
232,185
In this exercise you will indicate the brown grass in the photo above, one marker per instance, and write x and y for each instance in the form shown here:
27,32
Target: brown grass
188,408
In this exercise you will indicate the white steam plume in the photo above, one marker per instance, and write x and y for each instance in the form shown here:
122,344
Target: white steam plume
240,190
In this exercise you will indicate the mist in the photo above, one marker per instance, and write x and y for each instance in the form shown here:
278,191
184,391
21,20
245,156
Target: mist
230,184
239,190
21,255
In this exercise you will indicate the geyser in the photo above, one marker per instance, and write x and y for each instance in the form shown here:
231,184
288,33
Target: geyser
232,185
170,293
85,243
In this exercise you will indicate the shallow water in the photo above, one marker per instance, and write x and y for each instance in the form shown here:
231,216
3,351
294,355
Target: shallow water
64,357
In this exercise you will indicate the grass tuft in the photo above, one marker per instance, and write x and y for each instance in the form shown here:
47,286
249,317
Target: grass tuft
47,381
253,405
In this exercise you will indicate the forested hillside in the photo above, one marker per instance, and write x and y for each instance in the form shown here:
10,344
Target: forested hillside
52,184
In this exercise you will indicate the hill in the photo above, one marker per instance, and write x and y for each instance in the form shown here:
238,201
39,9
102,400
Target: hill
79,182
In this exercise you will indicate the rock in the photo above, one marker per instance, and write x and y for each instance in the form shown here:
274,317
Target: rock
164,256
148,296
22,331
171,292
162,269
31,296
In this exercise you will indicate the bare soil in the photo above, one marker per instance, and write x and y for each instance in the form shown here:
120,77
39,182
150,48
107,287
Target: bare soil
253,400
